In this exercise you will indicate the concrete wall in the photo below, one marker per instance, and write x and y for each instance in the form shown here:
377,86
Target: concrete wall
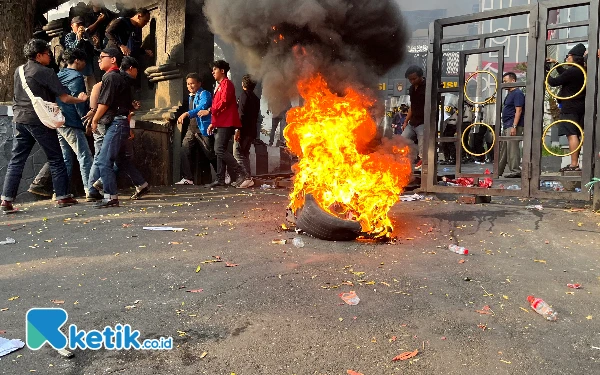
34,163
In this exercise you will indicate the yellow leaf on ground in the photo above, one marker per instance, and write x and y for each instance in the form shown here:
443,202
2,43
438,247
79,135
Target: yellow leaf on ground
13,298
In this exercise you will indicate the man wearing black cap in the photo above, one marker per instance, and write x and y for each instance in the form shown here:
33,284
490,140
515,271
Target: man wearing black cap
78,38
571,80
111,120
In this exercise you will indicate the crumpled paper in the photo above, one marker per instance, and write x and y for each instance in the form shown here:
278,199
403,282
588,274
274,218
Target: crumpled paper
9,346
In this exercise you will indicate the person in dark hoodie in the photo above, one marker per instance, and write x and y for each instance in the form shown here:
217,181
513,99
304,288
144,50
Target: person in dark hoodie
248,109
571,80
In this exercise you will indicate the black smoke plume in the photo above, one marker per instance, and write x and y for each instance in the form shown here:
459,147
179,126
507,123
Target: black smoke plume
350,42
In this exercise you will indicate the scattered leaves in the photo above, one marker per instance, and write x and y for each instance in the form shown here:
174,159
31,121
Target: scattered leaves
406,355
589,317
227,264
57,302
461,261
198,269
13,298
539,261
204,354
195,291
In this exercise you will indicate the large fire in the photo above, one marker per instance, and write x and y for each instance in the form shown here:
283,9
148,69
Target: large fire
349,173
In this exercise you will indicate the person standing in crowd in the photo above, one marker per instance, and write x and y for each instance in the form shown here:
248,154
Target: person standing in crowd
126,33
43,83
571,80
72,135
78,38
225,119
415,119
112,119
196,135
97,19
512,125
248,108
278,121
398,118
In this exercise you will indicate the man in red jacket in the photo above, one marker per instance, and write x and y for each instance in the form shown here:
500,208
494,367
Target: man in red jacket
225,120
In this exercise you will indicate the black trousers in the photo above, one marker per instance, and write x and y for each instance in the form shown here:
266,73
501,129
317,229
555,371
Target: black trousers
191,143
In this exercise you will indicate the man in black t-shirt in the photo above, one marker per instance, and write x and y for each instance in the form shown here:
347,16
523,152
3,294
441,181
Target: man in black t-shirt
126,34
43,83
112,120
415,120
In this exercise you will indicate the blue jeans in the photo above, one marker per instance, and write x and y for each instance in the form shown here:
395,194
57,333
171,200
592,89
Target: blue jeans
117,149
94,171
74,140
25,138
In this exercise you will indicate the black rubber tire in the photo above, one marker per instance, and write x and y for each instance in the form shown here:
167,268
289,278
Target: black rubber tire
320,224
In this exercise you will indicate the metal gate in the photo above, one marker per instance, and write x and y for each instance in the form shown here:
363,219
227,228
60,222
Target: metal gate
527,36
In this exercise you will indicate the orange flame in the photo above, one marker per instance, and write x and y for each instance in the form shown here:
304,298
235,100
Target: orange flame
333,138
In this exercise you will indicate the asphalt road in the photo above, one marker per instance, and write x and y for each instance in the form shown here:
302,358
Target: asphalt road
278,311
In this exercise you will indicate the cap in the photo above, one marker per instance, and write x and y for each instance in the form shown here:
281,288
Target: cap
77,20
578,50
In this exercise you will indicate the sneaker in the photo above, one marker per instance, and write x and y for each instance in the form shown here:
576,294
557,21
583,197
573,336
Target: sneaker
141,193
39,190
7,206
98,185
215,183
185,181
66,202
93,197
419,165
249,182
107,204
227,178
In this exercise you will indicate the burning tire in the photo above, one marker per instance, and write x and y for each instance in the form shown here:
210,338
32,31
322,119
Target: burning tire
320,224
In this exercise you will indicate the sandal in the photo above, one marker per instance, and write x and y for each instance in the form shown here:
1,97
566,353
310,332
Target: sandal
570,168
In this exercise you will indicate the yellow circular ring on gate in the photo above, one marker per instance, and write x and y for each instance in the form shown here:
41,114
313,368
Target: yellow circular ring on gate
554,123
462,138
567,97
488,99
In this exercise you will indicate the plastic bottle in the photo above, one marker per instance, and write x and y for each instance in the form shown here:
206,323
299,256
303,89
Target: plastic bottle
542,308
297,241
458,249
